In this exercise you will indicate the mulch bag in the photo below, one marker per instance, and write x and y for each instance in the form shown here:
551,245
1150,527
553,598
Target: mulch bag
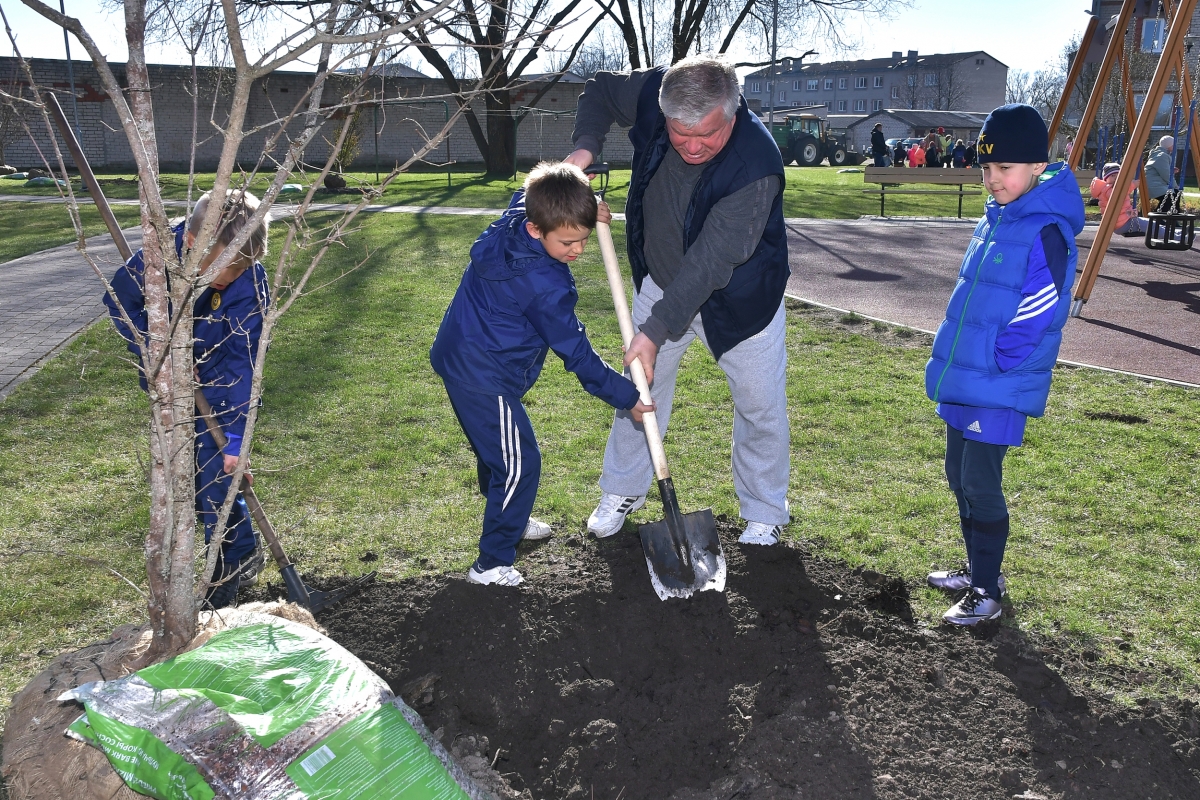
267,709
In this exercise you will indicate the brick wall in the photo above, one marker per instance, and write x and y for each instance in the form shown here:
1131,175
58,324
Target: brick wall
396,128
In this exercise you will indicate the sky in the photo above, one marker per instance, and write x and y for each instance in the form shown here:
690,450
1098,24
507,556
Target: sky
1027,35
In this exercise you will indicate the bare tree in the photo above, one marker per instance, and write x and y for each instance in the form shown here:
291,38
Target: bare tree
604,50
507,37
332,32
1016,89
951,88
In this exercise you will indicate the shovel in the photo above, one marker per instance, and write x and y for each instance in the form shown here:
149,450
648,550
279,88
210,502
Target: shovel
682,551
297,592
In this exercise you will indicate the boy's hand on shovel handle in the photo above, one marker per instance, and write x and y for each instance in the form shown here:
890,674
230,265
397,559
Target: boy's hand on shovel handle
644,350
231,465
640,409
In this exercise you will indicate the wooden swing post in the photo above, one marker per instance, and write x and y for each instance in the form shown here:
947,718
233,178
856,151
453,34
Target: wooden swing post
1073,76
1115,43
1172,52
1131,116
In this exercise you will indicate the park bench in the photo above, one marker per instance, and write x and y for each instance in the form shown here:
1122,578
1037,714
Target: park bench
889,177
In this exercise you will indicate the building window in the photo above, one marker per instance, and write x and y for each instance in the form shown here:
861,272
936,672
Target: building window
860,83
756,87
979,62
860,105
782,97
878,81
841,83
1154,32
829,83
841,105
812,85
912,81
876,105
931,79
895,92
829,105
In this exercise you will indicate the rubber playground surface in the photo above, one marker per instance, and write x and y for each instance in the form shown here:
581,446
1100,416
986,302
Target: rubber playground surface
1143,315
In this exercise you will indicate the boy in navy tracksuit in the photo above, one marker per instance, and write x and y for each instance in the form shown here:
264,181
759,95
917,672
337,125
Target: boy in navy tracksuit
516,301
993,354
227,325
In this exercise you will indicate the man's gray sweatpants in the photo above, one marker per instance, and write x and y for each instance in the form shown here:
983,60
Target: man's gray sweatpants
756,370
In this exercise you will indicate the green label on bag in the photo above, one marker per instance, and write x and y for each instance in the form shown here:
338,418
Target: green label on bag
377,754
141,759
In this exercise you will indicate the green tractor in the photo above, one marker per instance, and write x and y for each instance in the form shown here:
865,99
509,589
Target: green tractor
808,140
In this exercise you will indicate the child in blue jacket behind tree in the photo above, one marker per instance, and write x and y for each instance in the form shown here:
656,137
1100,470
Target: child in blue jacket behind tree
993,355
515,303
227,326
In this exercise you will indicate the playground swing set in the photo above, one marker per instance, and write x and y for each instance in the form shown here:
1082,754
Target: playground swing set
1171,227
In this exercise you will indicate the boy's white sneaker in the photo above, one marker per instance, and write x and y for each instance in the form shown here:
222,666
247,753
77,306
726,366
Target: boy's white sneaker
955,580
536,530
760,533
610,513
974,607
501,576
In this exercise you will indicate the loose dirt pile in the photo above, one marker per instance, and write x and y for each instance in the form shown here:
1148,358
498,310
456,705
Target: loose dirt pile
804,679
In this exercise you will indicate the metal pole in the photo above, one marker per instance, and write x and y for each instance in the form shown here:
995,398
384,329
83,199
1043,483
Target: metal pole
771,74
446,108
375,125
71,75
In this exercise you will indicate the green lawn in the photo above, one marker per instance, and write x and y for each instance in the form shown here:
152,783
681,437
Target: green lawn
359,451
29,228
810,192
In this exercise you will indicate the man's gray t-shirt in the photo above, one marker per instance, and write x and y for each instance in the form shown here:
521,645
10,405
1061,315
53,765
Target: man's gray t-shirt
731,232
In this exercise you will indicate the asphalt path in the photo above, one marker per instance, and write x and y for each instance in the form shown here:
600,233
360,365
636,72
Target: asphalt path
1143,316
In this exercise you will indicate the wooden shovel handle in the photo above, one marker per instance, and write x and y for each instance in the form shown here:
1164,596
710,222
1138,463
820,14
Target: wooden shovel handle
617,284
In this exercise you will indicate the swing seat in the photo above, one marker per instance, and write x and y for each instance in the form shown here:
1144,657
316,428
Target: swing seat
1171,231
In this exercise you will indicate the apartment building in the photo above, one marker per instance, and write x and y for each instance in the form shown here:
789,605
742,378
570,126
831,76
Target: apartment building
971,81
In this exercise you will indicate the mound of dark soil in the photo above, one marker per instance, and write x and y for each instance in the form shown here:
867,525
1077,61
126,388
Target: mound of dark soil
803,679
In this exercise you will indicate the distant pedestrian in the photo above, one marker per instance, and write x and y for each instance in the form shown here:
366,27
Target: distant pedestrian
916,155
945,147
933,156
994,355
879,149
969,155
1070,145
959,156
899,155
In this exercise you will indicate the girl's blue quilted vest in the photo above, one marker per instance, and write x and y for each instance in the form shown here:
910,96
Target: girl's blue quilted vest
963,367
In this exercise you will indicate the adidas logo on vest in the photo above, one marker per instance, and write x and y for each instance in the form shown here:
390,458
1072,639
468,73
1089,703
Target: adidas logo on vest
974,427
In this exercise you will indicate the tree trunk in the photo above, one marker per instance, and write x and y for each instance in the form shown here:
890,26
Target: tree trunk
170,545
501,155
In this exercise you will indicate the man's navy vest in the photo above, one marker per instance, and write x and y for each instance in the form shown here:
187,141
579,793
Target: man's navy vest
745,305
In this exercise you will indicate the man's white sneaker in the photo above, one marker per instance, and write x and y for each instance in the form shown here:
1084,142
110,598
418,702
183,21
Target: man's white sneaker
536,530
760,533
610,514
501,576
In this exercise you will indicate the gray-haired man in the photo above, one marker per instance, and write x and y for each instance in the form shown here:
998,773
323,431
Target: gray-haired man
708,250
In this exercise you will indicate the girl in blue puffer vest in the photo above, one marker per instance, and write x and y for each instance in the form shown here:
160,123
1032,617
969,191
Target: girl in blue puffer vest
992,356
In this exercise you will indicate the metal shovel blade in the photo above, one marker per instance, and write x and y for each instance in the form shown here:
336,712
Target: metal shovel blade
683,552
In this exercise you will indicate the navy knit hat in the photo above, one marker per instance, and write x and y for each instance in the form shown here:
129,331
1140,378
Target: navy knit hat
1014,134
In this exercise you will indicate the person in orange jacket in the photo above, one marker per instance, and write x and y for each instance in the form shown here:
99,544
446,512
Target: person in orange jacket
916,156
1128,222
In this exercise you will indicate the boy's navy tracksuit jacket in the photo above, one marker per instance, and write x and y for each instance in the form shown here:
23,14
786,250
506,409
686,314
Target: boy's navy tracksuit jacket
515,303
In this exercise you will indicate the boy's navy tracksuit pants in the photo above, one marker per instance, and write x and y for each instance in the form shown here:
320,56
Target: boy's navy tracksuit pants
509,465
